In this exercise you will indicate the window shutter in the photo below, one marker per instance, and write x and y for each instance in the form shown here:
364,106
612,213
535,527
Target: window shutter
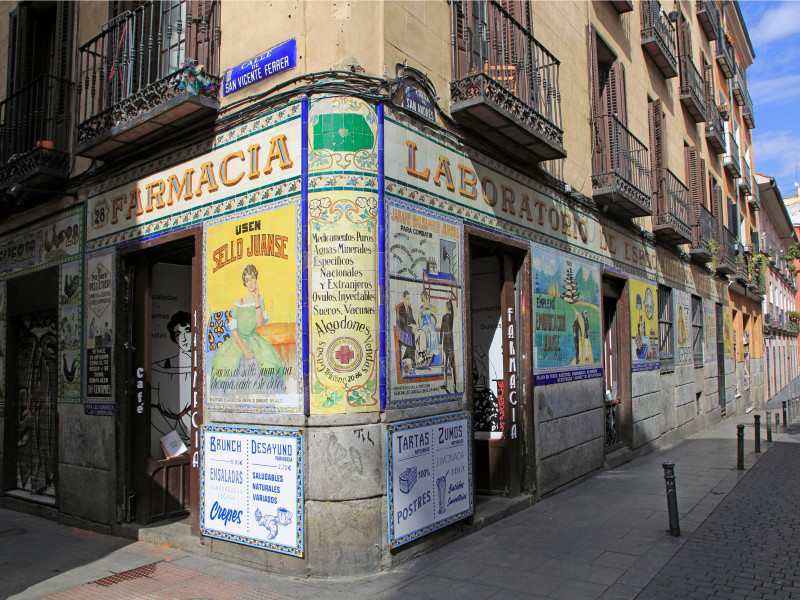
657,162
709,81
615,93
694,179
718,211
684,37
594,71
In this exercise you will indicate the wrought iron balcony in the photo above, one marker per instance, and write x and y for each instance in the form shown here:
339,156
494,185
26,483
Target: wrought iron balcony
726,253
725,56
731,158
658,38
754,199
692,90
715,130
35,132
671,209
505,84
747,110
742,274
142,75
708,16
620,168
704,231
745,181
738,85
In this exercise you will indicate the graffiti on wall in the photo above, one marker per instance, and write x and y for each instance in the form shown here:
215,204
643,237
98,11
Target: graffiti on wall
644,325
425,332
251,291
37,385
567,324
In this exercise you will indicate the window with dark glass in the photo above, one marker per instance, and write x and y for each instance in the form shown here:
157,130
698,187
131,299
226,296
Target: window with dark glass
697,330
665,320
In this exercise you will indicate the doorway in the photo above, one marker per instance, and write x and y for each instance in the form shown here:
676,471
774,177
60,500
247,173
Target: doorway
32,363
616,363
500,366
159,310
721,361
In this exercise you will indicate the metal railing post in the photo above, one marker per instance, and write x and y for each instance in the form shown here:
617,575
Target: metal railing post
784,414
672,498
740,447
757,420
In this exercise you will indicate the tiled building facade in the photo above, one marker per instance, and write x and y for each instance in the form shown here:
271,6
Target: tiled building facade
320,290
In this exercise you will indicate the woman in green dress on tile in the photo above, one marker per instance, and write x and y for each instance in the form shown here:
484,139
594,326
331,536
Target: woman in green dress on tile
245,344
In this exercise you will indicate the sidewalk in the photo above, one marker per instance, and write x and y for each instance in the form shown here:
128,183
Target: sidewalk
604,538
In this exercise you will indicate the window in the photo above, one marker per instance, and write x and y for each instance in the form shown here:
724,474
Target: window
665,319
697,330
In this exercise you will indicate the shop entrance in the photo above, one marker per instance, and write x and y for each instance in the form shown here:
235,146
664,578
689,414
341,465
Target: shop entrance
500,366
159,310
616,363
32,363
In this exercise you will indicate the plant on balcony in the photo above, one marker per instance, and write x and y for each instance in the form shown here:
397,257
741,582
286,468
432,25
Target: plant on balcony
761,272
194,79
713,251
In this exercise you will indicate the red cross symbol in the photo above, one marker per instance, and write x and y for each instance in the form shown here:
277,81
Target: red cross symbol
344,354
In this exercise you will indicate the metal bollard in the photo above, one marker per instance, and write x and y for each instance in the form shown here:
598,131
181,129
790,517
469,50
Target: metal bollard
672,498
784,414
769,427
757,419
740,447
777,421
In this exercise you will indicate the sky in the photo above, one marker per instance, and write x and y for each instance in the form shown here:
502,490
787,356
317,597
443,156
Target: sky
774,84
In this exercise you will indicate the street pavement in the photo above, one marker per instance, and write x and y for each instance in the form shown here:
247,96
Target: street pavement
607,537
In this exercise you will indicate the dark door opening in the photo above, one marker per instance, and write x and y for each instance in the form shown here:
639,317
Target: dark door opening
721,361
495,288
31,417
159,301
616,363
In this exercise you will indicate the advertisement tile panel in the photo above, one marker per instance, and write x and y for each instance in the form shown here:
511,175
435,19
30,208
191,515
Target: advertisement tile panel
683,327
251,295
100,335
567,322
70,332
251,487
429,475
253,159
343,307
425,338
644,325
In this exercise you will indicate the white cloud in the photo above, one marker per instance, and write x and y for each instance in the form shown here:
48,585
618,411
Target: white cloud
777,154
777,23
772,90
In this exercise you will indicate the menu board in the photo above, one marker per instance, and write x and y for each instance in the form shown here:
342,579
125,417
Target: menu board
252,487
429,475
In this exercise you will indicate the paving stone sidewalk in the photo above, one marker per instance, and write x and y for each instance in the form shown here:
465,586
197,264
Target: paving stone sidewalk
749,547
606,537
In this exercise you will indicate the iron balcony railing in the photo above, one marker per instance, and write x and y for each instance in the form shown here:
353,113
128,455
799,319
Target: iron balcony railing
708,15
656,26
745,182
693,84
704,229
137,61
715,130
738,85
490,50
725,56
731,159
747,110
672,204
619,157
726,259
35,130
